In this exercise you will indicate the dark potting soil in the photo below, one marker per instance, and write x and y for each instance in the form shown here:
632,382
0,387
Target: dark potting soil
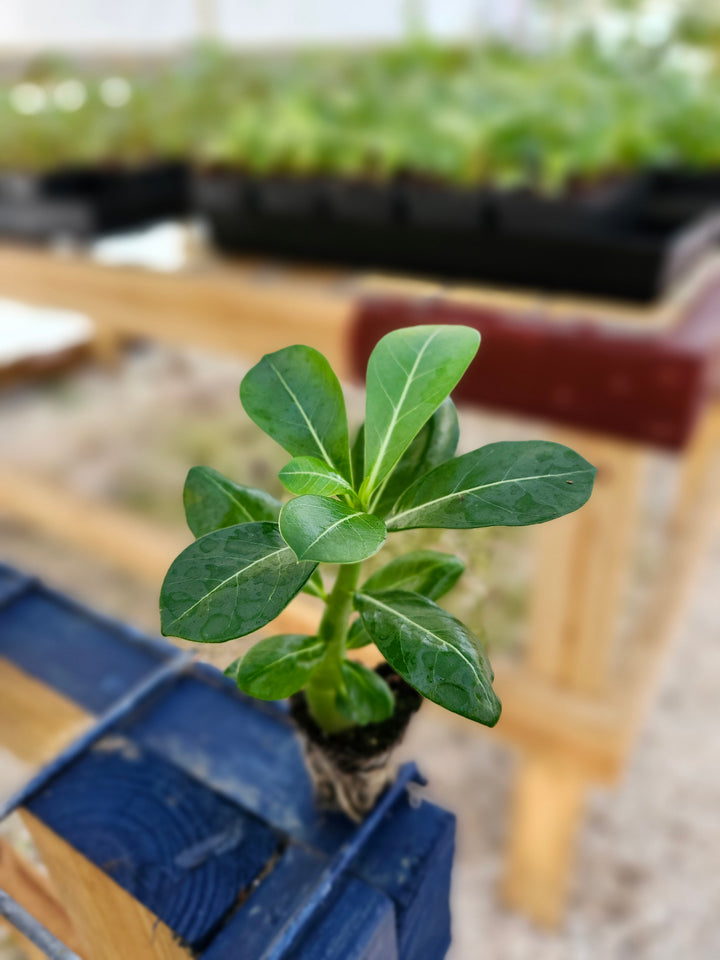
349,749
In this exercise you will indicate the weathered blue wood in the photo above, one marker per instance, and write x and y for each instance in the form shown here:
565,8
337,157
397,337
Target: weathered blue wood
229,753
411,859
268,777
150,685
264,771
12,584
179,848
91,660
355,923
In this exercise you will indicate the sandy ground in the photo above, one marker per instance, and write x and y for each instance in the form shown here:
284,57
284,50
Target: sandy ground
647,883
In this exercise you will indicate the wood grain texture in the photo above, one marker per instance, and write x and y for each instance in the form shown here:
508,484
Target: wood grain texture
109,923
174,845
35,892
161,821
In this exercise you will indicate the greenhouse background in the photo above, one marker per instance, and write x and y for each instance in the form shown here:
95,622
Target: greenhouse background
190,184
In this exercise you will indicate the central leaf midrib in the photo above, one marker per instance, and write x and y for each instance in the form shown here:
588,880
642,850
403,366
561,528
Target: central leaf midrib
394,419
482,486
305,417
227,580
330,529
318,645
414,623
231,495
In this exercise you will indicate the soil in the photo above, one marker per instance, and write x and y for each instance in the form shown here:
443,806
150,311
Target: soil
350,749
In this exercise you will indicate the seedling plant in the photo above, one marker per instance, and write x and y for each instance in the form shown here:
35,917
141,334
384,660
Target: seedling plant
254,554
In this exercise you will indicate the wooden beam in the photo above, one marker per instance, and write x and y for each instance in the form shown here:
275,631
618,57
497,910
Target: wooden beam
110,924
245,309
36,722
33,890
547,810
583,566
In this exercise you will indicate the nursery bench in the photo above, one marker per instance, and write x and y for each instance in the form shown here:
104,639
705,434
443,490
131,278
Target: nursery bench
618,381
176,818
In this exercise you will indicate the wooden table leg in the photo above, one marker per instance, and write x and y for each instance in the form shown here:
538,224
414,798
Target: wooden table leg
584,563
547,811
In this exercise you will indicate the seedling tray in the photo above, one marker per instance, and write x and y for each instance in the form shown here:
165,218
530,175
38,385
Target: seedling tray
629,261
678,196
85,202
195,801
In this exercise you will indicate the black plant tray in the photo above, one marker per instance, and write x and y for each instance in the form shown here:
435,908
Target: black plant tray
677,196
83,202
633,261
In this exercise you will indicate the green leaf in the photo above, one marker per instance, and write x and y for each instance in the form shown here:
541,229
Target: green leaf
229,583
436,443
366,698
503,484
357,636
410,373
433,651
295,397
427,572
279,666
329,531
310,475
213,502
357,457
315,586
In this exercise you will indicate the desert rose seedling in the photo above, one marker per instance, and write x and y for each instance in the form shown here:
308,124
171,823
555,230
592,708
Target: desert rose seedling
253,554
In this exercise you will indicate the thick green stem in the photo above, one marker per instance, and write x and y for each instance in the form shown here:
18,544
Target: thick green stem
327,680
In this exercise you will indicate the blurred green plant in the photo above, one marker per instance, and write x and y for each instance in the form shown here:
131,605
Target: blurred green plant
549,120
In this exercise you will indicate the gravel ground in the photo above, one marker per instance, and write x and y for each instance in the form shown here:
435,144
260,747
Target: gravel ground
647,884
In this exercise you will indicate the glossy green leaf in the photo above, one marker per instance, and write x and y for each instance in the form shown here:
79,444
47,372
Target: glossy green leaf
295,397
279,666
229,583
502,484
213,502
357,457
310,475
365,697
427,572
409,374
329,531
433,651
436,443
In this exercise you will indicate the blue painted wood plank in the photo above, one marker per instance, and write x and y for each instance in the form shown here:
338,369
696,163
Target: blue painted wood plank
355,923
12,584
183,851
410,858
192,782
265,772
89,659
268,908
